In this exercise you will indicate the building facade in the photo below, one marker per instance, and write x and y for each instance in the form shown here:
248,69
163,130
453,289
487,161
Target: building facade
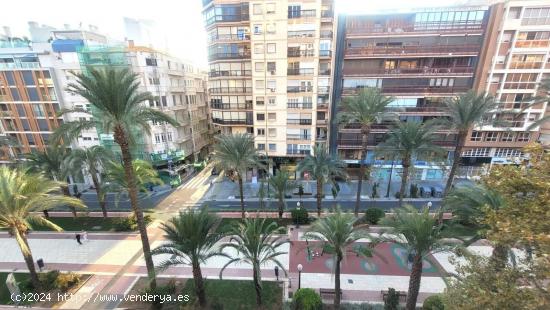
270,73
515,59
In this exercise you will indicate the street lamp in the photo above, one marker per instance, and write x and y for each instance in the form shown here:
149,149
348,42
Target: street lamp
300,267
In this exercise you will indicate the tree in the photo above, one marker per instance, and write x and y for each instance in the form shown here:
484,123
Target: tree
8,142
191,239
421,234
255,243
544,87
410,140
21,194
117,107
280,184
236,154
465,112
338,232
323,168
367,108
93,160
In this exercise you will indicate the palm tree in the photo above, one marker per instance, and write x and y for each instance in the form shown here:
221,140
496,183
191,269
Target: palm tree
93,160
115,178
8,142
465,112
323,168
367,108
421,234
544,87
21,194
255,243
469,205
280,185
236,154
191,239
338,232
409,140
117,106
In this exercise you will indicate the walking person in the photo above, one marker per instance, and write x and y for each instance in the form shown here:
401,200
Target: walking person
78,238
85,236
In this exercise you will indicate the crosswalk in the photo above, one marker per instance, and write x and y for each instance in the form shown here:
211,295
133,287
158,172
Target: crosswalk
197,182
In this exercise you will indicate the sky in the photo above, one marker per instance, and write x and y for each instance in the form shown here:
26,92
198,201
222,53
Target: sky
180,21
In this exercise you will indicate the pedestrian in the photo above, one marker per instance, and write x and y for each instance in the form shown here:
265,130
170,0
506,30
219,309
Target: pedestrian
85,236
78,239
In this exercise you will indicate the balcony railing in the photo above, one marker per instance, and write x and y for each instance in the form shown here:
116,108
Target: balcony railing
229,106
518,85
229,37
413,89
327,13
298,137
418,109
217,56
226,18
299,89
411,50
410,71
320,138
298,121
299,105
532,43
301,13
230,73
425,27
298,152
19,65
323,89
232,121
302,34
303,71
324,72
300,53
224,90
322,105
326,34
526,65
325,53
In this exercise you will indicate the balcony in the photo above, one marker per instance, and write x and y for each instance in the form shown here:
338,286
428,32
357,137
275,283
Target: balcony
323,89
327,14
220,121
225,90
324,72
229,37
229,106
322,105
298,137
526,65
462,71
301,34
297,152
532,43
377,51
413,90
518,85
326,34
350,143
19,65
321,122
415,28
301,13
231,73
325,53
299,89
321,138
298,121
226,18
218,56
419,110
300,53
299,105
304,71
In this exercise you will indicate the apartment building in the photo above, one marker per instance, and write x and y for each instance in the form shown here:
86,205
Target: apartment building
515,59
420,58
270,73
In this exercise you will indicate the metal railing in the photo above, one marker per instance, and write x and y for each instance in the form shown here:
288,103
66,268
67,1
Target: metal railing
526,65
301,13
411,49
229,37
223,90
301,34
232,121
324,72
230,73
230,106
299,105
300,53
327,13
216,56
420,27
323,89
298,121
298,152
226,18
299,71
412,89
299,89
326,34
298,137
411,71
325,53
532,43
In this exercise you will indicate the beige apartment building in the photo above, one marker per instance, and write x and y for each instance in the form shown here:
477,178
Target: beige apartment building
515,59
270,72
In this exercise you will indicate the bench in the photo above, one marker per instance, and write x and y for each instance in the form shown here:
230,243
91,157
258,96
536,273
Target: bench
328,293
402,295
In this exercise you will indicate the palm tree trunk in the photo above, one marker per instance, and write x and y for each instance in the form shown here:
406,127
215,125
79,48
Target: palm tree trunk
122,141
281,207
257,286
319,196
337,282
241,193
27,256
414,282
199,284
362,168
66,192
101,199
456,160
404,178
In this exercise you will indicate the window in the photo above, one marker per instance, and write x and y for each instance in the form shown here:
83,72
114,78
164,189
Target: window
260,117
271,100
271,48
476,136
261,132
523,137
259,67
480,152
272,117
270,28
257,9
271,67
514,12
491,136
261,146
258,48
260,84
258,29
87,138
169,135
533,117
272,85
270,8
157,138
507,137
163,100
151,62
507,153
272,132
272,147
259,100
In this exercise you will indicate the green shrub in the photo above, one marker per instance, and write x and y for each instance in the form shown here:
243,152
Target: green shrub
129,223
391,301
299,216
373,215
65,281
47,279
168,289
434,302
306,299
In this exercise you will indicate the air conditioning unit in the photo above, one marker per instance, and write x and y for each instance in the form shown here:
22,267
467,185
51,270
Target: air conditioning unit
272,72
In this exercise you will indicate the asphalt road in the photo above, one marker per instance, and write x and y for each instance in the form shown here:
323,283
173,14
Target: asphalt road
145,202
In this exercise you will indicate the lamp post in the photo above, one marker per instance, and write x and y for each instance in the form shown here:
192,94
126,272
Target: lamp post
300,267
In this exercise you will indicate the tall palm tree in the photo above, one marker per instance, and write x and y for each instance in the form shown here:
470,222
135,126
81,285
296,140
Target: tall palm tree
323,168
469,205
280,184
421,233
544,88
115,178
191,239
338,232
93,160
255,242
117,106
409,140
236,154
465,112
21,194
367,108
